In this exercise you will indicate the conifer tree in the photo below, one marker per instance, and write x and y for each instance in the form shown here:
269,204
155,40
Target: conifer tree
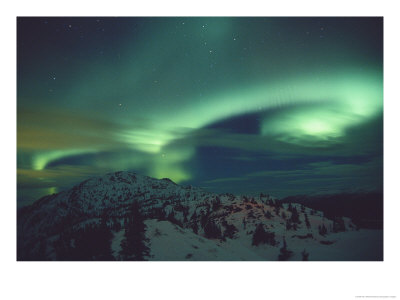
268,214
284,254
195,227
93,242
295,218
212,230
134,246
307,221
304,255
104,236
194,216
288,225
230,231
338,225
277,210
322,230
261,236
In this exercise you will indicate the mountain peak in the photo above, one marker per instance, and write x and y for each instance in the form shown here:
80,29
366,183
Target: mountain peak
225,223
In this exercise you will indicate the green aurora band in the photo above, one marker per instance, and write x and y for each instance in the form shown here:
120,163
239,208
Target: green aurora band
340,101
147,105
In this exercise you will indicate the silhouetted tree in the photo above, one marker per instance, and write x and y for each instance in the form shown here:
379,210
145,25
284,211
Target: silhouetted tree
304,255
338,225
171,218
62,247
104,236
158,213
268,214
134,246
212,230
194,216
322,230
230,231
295,218
216,204
261,236
288,225
307,221
195,227
284,253
277,210
92,242
116,225
203,219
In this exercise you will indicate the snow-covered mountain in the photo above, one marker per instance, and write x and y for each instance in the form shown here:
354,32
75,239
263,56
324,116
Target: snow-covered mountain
183,223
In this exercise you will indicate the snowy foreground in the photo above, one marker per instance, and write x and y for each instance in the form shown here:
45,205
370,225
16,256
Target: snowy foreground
188,223
177,244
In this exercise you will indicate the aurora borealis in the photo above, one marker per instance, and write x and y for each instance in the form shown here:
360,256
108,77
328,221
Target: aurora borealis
243,105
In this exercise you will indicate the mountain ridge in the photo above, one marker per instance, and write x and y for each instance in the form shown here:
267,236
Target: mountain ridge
224,222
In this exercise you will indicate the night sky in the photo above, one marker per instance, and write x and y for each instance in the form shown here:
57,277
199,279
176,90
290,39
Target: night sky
243,105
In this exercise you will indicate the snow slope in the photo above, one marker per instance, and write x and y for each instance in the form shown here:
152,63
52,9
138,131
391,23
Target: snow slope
178,222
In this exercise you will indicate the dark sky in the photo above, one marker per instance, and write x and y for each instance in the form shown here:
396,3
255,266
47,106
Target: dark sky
243,105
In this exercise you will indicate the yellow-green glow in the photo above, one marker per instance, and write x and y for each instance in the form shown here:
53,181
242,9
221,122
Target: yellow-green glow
148,140
168,164
52,190
41,159
318,127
